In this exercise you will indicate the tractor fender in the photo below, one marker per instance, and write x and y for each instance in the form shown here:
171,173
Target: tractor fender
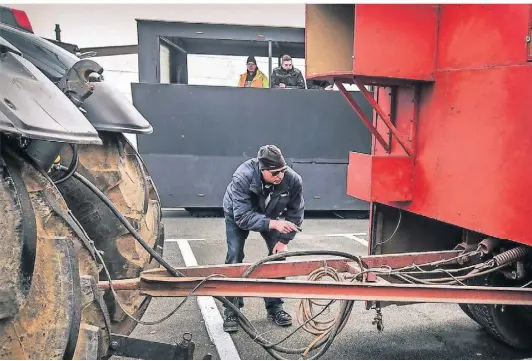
107,109
34,107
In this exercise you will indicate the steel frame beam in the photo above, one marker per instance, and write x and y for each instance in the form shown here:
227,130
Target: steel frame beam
163,286
223,280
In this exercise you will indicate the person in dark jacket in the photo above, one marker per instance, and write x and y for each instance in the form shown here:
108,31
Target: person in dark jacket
262,190
286,76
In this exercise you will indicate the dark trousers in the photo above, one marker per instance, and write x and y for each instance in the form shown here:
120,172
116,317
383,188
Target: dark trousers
236,239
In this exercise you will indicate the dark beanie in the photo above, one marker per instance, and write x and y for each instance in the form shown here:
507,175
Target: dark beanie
270,157
251,59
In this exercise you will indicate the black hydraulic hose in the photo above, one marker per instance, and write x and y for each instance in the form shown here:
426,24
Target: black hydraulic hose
73,165
125,222
280,256
272,348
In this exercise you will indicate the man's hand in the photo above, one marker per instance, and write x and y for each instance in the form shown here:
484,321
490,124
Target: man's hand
283,226
280,248
282,85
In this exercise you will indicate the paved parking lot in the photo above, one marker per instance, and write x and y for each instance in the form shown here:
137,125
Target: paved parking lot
423,331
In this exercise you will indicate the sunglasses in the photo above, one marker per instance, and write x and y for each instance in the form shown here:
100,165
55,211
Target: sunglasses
277,172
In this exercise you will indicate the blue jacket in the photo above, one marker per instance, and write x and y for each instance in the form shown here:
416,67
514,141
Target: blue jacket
244,200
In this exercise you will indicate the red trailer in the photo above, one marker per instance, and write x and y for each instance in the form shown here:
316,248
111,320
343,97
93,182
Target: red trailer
447,178
450,157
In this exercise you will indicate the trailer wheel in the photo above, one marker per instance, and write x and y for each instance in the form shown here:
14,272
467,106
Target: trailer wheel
117,170
510,324
467,311
47,273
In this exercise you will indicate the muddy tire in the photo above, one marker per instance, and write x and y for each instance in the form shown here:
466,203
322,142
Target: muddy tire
117,170
47,271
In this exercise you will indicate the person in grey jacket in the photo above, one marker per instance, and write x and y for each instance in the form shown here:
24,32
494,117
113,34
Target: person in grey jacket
262,190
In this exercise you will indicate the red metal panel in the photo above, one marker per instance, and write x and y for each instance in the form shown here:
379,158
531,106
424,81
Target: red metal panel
400,138
383,97
403,112
396,41
380,178
529,37
473,152
359,176
482,35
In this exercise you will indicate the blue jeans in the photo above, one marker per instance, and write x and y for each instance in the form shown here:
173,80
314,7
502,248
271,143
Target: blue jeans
236,239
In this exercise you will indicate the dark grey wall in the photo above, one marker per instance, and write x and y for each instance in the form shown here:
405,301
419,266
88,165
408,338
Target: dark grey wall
202,133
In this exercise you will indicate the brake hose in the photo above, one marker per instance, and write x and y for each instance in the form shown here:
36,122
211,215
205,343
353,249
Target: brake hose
73,165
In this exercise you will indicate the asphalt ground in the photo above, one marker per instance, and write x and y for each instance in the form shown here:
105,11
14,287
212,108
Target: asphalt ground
420,331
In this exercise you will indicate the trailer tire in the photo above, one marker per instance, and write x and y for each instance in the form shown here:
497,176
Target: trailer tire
467,311
509,324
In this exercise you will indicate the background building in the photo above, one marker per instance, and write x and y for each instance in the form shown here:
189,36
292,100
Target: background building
91,25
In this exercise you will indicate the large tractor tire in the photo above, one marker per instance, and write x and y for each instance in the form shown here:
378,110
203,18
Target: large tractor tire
49,304
117,170
509,324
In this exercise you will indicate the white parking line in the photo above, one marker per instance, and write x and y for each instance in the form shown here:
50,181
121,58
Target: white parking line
211,315
353,236
183,239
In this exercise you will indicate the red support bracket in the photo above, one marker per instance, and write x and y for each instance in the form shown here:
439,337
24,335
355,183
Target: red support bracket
362,116
380,112
383,116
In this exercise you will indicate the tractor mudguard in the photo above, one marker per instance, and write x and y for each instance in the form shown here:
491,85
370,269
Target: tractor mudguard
33,107
107,109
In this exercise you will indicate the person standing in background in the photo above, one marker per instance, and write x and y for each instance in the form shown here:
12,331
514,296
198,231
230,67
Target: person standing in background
286,76
253,77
